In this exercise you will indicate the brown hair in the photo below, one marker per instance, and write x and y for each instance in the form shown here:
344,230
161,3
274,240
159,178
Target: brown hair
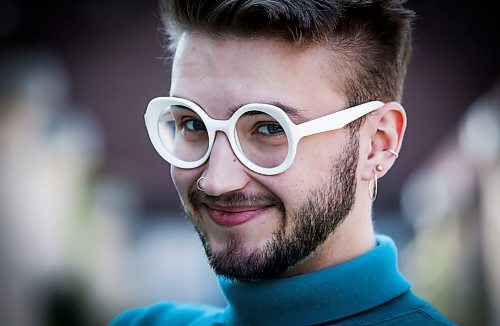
370,40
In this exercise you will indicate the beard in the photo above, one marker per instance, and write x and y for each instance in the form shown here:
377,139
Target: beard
301,231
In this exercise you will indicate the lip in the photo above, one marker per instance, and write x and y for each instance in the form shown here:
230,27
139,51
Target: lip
233,216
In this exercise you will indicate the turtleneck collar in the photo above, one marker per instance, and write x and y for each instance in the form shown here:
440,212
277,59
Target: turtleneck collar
324,296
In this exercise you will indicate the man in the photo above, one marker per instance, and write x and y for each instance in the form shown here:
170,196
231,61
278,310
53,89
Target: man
282,116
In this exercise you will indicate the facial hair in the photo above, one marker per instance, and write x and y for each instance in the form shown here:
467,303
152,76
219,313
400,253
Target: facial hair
300,232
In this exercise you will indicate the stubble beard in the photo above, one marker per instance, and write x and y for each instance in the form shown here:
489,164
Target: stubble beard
300,232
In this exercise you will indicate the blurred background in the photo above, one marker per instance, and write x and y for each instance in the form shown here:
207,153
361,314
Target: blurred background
90,223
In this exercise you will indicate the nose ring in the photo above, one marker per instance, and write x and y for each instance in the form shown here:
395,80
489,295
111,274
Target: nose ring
198,184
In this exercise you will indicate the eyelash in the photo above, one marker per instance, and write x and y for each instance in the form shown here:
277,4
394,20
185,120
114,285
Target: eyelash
263,124
187,120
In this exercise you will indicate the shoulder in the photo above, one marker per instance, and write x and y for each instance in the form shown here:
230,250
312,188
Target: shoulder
167,313
408,309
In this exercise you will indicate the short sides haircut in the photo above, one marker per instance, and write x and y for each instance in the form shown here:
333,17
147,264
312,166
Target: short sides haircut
370,40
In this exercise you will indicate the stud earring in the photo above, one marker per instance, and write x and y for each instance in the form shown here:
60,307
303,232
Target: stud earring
379,168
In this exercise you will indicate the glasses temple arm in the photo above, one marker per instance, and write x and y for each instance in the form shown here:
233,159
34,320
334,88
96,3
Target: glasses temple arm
337,119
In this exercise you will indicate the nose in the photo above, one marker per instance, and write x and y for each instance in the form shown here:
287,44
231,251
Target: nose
224,172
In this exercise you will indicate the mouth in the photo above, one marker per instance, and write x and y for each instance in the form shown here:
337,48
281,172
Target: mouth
234,215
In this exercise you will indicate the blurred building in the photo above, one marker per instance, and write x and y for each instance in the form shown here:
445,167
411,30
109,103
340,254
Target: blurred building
453,202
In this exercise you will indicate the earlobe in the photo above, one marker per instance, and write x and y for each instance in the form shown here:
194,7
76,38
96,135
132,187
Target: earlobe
387,128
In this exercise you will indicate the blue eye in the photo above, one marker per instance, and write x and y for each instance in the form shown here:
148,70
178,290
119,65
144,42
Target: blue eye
194,125
270,129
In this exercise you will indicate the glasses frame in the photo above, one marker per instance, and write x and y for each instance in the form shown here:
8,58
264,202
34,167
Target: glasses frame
294,132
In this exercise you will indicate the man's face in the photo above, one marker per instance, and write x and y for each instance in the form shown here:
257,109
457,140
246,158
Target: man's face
255,226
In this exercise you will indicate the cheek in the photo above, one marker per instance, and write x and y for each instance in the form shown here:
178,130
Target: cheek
315,156
292,186
183,179
311,167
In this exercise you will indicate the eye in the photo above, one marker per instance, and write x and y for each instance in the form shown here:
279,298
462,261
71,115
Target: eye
270,129
193,125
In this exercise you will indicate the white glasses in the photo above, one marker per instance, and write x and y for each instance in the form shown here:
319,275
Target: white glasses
262,136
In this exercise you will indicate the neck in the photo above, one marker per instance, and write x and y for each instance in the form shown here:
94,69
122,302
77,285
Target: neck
326,296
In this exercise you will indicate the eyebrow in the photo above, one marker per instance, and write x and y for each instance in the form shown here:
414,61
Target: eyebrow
296,115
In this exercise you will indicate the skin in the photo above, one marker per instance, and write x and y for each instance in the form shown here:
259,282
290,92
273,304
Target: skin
220,74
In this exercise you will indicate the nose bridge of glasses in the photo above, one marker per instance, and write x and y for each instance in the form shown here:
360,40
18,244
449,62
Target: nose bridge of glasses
216,127
220,125
223,152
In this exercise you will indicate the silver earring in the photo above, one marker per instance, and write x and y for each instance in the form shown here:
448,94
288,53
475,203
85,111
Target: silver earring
198,184
373,187
396,155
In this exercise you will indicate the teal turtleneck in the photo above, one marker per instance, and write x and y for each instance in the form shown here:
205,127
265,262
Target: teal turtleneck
367,290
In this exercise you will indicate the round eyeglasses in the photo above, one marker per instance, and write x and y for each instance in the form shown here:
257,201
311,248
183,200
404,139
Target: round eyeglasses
262,136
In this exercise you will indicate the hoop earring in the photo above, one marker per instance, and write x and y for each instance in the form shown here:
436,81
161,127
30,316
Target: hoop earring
198,184
373,187
393,152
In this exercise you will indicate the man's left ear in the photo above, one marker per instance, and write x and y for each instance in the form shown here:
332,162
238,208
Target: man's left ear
386,128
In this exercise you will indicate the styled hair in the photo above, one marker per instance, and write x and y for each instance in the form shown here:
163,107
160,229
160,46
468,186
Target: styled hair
370,40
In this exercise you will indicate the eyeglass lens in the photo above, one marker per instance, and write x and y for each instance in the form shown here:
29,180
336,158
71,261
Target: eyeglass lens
259,136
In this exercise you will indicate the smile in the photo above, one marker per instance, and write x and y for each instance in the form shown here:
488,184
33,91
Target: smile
233,216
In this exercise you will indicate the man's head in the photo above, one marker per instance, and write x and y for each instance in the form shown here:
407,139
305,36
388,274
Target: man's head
368,41
310,58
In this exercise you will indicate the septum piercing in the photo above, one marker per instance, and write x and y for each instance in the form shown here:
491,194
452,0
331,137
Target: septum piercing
396,155
198,184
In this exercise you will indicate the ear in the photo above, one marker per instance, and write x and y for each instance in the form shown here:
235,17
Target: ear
386,128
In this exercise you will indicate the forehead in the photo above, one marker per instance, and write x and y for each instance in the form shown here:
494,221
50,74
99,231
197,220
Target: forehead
219,74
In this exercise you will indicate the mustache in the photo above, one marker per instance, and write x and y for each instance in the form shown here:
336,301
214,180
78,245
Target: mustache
236,199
